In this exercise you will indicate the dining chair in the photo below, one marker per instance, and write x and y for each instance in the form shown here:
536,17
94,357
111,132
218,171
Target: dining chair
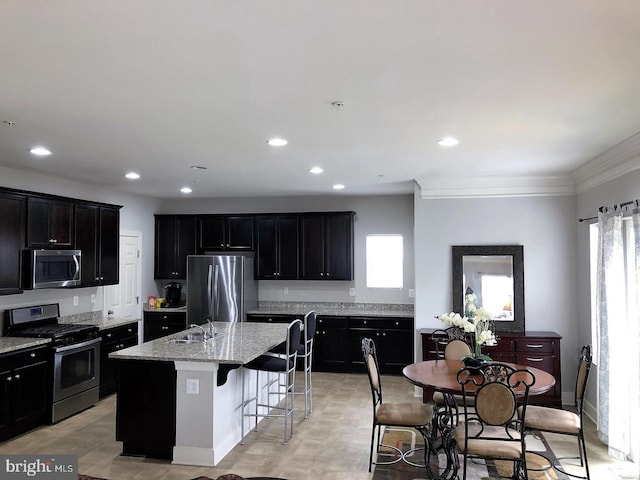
491,429
442,337
281,364
393,414
565,422
446,403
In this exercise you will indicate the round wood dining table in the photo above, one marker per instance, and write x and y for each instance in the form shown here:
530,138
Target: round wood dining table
443,375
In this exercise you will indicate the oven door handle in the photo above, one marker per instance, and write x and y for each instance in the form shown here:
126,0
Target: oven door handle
77,345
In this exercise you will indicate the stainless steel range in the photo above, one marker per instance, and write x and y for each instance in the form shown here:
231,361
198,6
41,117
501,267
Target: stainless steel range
76,356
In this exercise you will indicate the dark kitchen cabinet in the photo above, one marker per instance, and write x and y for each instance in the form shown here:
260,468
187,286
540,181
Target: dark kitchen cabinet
12,221
97,235
534,349
330,344
25,383
160,324
276,247
49,223
114,339
225,232
326,246
394,340
175,238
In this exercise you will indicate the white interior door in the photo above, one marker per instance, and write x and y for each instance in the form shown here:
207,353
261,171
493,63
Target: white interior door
123,299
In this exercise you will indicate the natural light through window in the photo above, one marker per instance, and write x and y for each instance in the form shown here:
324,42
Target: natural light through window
384,261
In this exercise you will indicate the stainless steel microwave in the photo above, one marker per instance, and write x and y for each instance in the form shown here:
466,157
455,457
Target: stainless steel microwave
50,268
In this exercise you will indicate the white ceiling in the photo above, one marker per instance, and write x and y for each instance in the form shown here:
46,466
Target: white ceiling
530,87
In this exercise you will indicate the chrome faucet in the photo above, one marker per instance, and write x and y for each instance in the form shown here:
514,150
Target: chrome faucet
205,334
212,330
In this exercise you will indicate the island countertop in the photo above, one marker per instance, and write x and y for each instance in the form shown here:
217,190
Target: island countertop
235,343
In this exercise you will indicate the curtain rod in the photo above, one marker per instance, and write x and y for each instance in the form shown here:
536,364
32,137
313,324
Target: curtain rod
624,204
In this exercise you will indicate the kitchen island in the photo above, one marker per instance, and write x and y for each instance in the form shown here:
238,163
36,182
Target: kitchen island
181,401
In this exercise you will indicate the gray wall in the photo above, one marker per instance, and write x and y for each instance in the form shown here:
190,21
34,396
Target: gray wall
545,226
374,214
620,190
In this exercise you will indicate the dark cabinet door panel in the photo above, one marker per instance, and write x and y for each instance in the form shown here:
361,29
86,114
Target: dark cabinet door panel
239,233
12,220
87,241
339,247
49,223
266,248
288,248
210,233
109,246
312,247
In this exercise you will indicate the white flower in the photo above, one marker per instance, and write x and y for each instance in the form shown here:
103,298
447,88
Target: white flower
485,337
481,315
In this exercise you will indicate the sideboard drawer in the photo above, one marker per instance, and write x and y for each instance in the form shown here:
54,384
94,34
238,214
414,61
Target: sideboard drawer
543,362
535,346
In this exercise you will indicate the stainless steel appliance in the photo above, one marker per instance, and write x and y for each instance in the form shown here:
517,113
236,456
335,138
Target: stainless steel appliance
50,268
220,288
172,294
76,356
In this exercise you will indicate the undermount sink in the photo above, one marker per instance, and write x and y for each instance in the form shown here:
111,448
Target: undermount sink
188,338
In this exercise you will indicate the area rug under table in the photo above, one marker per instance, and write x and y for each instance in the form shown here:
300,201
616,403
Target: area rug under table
407,439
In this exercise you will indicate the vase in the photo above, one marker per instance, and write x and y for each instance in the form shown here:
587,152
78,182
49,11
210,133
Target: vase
472,362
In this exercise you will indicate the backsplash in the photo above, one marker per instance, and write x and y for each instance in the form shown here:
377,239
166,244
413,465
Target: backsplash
400,307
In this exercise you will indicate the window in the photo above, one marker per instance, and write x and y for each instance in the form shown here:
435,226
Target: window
384,261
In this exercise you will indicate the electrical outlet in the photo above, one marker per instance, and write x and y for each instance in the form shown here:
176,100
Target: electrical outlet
75,300
412,293
193,386
286,290
352,292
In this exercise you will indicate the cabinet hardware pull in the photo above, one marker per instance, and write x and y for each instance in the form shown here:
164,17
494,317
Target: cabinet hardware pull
535,359
9,379
33,355
534,346
108,335
165,327
17,377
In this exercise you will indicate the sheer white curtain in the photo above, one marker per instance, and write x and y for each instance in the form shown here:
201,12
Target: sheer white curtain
618,318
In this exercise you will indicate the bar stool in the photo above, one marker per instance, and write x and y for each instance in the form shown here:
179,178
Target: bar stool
286,365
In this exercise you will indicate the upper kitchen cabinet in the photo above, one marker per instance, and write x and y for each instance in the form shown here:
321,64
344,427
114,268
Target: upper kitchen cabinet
49,223
225,232
175,238
326,246
97,235
12,216
276,243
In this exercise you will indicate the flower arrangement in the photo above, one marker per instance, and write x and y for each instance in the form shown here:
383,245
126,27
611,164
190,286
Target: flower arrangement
479,324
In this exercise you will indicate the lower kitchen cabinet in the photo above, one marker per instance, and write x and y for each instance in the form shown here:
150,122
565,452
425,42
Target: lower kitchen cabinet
114,339
330,344
393,338
160,324
26,384
533,349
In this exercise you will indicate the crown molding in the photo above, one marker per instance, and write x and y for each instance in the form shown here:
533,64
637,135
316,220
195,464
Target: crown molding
615,162
495,186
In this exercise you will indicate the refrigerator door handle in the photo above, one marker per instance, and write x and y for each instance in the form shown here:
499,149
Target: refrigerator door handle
216,295
210,291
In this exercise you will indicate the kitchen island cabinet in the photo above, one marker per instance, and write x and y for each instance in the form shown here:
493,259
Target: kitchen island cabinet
181,401
160,323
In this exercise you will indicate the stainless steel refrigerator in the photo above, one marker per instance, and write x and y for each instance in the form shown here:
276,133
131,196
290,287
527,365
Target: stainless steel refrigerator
220,288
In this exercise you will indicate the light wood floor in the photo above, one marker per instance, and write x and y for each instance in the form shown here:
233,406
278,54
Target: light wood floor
332,444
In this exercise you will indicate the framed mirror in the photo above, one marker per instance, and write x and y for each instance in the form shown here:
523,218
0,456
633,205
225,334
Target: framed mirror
492,277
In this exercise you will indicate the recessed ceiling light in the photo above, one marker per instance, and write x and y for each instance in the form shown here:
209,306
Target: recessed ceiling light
198,167
132,175
316,170
186,190
277,142
338,186
40,151
448,142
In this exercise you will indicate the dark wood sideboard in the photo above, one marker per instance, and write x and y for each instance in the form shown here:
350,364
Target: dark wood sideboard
536,349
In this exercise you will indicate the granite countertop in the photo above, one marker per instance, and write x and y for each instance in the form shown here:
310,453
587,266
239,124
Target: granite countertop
11,344
235,343
145,307
103,323
335,309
